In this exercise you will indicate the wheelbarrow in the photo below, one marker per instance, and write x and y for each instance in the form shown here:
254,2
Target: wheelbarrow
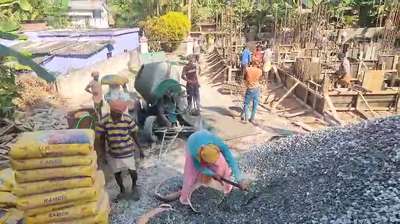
84,118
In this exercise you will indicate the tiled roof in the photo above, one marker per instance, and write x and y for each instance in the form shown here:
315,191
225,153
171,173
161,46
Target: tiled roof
62,48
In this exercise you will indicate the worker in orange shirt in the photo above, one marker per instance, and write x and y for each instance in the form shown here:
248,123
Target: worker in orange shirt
252,78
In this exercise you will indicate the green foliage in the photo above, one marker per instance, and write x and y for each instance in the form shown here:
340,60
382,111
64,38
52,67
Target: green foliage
11,13
8,91
27,61
167,30
14,11
54,11
128,13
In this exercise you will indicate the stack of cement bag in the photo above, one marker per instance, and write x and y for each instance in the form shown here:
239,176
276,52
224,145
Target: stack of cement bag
8,213
57,179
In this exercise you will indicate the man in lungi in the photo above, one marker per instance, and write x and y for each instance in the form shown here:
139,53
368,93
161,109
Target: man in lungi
119,131
94,88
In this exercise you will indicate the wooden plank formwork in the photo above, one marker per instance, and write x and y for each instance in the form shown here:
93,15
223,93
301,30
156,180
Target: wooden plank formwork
342,101
382,101
303,92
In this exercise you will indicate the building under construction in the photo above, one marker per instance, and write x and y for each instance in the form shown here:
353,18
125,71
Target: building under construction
305,57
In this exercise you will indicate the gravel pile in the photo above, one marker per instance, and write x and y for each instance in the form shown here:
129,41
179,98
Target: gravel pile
128,211
46,118
212,196
340,175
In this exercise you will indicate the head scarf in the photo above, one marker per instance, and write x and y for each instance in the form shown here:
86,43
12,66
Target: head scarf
209,153
118,106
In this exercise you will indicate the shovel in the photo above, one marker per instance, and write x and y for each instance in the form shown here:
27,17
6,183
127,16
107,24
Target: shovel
232,183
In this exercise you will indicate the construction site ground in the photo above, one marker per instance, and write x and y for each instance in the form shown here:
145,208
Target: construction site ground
221,111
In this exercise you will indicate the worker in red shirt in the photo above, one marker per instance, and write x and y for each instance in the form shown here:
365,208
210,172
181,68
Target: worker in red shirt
258,54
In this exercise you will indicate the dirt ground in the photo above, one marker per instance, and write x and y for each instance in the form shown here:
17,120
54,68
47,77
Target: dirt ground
221,112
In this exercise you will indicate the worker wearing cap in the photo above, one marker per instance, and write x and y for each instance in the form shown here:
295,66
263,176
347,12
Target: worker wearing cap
207,157
119,130
94,88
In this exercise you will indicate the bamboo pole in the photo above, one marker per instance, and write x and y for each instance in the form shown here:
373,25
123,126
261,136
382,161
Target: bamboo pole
190,10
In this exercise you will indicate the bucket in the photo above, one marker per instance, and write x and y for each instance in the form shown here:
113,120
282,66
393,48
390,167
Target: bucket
83,118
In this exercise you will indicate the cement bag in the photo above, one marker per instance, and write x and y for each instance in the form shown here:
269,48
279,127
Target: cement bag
7,199
7,179
100,181
12,216
23,176
50,208
53,162
59,197
100,218
25,189
53,143
70,213
114,79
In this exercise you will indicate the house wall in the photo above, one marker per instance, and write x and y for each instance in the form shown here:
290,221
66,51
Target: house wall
79,21
128,41
63,65
99,19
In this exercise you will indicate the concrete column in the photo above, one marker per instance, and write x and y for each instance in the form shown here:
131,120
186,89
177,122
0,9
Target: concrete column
144,47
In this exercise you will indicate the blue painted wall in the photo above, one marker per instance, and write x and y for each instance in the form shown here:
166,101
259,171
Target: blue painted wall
122,40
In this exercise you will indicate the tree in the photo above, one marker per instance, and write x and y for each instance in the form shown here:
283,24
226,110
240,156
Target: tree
8,25
166,31
128,13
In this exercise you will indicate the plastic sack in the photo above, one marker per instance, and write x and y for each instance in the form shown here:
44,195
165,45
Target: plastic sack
53,143
25,189
69,213
12,216
100,218
24,176
59,197
114,79
53,162
7,179
7,199
50,208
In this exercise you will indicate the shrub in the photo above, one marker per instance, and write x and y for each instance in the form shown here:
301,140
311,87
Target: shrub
9,91
166,31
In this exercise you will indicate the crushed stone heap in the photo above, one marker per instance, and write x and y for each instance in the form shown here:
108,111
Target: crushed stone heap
340,175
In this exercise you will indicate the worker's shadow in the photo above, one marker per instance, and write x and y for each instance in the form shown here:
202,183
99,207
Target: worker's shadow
221,110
